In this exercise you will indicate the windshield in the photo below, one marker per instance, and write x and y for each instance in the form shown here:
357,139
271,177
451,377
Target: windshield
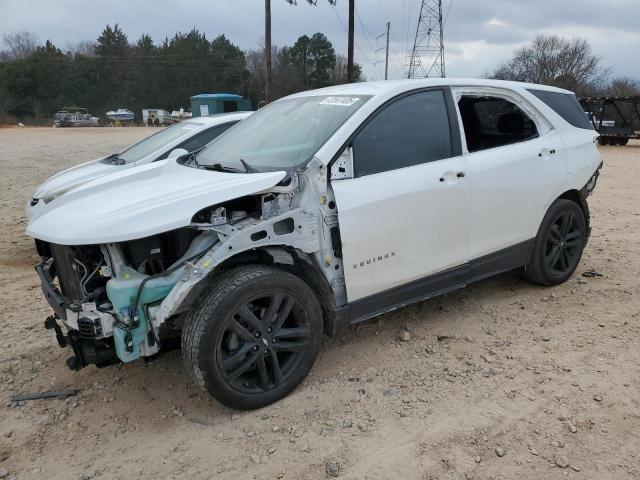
156,141
283,135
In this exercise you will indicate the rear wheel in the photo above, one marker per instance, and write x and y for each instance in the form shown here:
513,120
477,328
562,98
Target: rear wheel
253,337
559,244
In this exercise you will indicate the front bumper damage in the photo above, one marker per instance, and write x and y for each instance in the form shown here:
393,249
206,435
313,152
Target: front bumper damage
85,330
100,334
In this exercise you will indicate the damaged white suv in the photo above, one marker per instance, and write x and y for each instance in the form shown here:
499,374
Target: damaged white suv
321,210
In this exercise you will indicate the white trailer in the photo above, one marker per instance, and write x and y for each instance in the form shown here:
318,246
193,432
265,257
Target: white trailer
155,117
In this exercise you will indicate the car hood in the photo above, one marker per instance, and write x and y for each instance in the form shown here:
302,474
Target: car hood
73,177
139,202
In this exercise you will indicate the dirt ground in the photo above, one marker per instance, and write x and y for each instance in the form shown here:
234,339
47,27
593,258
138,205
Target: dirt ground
503,380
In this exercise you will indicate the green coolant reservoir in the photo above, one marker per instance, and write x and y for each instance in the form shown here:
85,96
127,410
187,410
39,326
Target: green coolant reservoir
122,293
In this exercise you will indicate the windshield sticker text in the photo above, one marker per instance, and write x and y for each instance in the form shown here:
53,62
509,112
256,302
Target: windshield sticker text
340,101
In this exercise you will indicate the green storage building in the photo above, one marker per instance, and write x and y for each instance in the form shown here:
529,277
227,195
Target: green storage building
207,104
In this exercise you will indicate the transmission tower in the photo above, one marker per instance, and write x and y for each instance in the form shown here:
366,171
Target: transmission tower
427,55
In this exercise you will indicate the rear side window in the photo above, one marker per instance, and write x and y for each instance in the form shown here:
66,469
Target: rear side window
410,131
491,122
567,106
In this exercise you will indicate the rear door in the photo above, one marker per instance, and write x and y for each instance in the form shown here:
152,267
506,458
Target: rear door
517,163
405,213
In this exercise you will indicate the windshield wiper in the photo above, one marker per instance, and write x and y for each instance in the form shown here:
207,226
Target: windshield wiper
248,167
217,167
114,159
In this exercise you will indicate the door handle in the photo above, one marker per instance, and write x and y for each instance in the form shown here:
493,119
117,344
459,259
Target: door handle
547,152
449,176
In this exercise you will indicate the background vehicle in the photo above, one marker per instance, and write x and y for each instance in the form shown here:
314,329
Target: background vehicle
321,210
184,137
624,118
74,117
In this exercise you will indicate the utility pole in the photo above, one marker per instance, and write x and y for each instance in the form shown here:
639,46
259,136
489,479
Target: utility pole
267,51
350,72
351,34
427,55
386,61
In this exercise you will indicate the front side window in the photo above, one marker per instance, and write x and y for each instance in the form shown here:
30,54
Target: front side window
410,131
283,135
153,143
491,122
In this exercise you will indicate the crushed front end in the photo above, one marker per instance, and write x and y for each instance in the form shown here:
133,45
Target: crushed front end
103,295
74,286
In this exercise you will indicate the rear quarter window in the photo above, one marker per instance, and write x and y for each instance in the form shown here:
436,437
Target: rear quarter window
567,106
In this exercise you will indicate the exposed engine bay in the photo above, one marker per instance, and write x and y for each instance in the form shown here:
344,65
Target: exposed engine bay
119,301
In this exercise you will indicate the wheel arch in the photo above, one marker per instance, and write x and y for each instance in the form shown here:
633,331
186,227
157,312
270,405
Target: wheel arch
573,195
580,199
286,258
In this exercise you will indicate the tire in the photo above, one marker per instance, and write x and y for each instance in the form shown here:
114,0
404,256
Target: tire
623,141
232,349
558,247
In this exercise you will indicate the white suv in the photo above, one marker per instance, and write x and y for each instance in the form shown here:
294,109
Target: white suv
321,210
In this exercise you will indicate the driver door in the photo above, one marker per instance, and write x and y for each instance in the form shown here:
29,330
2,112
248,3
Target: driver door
404,215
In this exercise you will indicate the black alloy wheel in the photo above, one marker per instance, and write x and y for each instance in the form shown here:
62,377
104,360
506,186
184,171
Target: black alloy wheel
263,342
564,244
558,247
252,336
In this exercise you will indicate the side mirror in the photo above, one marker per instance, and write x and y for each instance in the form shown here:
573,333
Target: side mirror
178,152
343,166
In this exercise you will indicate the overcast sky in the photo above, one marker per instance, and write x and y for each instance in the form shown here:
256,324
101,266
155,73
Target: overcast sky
478,34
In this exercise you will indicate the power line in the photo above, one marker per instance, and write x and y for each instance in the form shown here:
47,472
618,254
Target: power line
364,29
346,30
368,34
446,17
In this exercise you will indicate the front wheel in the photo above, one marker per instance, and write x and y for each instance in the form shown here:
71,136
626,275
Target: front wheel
559,244
253,337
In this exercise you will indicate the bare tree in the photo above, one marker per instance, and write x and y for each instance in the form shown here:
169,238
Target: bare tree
624,87
20,44
339,74
553,60
86,48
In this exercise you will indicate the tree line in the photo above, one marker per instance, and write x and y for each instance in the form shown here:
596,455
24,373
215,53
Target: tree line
37,80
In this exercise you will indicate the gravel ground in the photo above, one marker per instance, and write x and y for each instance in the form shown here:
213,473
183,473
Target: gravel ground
502,380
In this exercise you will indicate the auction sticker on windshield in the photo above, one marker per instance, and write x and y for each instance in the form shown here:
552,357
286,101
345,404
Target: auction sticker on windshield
340,101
